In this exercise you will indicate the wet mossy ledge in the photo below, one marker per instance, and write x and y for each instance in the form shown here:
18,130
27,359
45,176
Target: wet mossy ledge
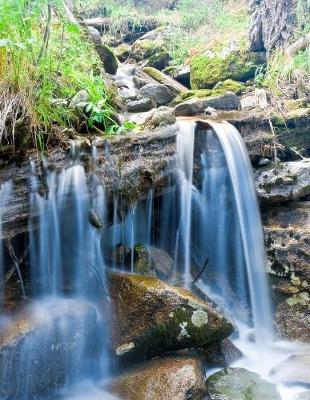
150,317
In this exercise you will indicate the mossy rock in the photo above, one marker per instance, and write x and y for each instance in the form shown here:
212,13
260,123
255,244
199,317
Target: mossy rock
207,71
123,52
145,49
142,261
151,317
174,377
227,86
107,58
159,60
240,384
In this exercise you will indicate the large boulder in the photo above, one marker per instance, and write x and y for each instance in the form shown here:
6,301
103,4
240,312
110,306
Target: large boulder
42,347
150,317
227,101
161,94
283,182
177,378
221,354
240,384
208,70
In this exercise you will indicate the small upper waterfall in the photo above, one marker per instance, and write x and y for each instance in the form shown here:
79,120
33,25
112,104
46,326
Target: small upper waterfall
220,220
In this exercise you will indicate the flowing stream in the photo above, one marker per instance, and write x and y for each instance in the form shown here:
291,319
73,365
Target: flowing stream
209,223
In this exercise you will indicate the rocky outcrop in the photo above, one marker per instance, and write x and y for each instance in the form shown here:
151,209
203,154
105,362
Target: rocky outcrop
151,317
142,105
42,346
273,23
240,384
283,182
228,101
177,378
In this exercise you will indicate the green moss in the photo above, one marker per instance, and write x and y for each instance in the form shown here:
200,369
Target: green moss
226,86
207,71
142,264
155,74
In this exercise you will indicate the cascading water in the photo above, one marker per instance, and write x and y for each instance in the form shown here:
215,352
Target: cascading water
5,191
207,219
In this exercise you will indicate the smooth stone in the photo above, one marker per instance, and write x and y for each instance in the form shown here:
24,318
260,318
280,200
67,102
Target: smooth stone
161,94
160,117
294,370
240,384
141,105
175,377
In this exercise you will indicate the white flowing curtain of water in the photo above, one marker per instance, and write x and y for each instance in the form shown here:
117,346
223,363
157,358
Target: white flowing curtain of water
226,232
185,164
5,192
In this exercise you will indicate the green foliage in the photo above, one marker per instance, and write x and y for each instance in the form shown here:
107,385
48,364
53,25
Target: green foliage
44,57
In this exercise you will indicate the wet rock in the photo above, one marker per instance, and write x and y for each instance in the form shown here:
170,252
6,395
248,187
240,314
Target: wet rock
160,117
141,105
283,182
160,77
304,396
228,101
161,94
150,317
107,58
152,261
41,348
145,49
240,384
141,79
293,317
177,378
207,71
294,370
287,238
221,354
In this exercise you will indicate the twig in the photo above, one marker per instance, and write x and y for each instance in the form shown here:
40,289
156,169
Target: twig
201,271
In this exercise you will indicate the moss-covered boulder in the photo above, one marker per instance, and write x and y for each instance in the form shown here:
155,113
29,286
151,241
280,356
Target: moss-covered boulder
240,384
150,317
177,378
207,71
107,58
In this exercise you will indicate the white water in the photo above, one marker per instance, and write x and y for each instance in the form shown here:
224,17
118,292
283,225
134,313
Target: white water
185,164
5,191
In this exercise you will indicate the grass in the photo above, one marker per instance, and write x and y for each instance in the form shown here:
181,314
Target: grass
38,71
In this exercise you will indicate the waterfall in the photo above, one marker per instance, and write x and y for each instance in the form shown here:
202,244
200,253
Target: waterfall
185,163
220,221
5,191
